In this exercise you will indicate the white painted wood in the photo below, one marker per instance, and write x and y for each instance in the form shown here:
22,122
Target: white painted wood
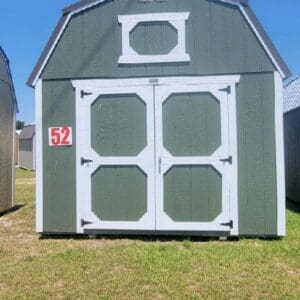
13,192
280,164
177,54
39,155
92,85
233,149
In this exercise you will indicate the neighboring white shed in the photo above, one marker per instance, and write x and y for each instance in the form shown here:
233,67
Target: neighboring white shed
292,138
27,147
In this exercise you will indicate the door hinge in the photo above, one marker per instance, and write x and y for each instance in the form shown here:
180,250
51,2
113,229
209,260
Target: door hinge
83,94
84,223
227,160
85,161
229,224
227,89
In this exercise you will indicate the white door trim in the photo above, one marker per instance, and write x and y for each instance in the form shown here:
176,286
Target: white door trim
39,155
111,86
280,164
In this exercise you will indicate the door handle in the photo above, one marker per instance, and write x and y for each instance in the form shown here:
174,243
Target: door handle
159,165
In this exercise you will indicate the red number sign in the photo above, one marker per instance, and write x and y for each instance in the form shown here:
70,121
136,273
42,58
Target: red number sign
60,136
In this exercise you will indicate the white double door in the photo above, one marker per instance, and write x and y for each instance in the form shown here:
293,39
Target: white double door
157,161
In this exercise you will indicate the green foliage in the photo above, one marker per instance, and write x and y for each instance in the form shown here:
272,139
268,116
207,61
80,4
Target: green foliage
20,125
73,268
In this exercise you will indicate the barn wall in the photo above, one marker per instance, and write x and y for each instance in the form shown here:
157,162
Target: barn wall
292,150
59,202
219,41
6,136
256,152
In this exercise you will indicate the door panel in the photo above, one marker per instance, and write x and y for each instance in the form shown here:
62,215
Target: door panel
192,182
192,124
117,143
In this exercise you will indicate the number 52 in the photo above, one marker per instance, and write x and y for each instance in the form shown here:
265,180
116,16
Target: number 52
60,136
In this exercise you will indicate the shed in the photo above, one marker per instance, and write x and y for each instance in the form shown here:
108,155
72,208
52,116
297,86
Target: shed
18,132
160,117
8,109
292,138
27,148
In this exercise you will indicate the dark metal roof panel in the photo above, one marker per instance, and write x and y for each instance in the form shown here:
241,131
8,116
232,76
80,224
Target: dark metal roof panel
81,4
12,87
28,132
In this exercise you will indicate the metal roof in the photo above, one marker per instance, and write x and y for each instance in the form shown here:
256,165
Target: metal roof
28,132
291,95
12,88
85,4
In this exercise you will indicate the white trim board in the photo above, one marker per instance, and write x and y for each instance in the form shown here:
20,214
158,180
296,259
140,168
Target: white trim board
39,155
280,165
177,54
71,14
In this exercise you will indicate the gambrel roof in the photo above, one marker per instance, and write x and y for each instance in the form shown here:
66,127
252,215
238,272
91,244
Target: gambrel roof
12,88
243,5
291,95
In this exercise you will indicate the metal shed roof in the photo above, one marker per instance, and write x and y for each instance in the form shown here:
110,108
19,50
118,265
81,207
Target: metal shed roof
69,11
28,132
12,88
291,95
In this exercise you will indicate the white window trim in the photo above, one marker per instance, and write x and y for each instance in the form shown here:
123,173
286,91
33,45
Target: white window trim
39,156
280,164
177,54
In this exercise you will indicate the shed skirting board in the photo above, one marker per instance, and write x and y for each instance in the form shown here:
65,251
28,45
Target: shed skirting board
39,156
280,165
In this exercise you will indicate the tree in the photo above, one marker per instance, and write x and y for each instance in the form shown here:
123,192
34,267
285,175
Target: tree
20,125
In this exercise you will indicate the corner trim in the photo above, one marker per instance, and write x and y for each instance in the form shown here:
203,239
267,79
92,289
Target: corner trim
280,165
39,155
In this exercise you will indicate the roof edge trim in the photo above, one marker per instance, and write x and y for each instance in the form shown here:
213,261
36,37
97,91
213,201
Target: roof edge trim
82,5
12,87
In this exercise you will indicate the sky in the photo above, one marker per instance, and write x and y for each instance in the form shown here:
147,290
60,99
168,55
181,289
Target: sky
25,27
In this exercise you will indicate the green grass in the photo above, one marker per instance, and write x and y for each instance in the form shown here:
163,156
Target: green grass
134,269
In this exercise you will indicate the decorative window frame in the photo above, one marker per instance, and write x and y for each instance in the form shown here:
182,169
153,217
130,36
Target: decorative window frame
177,54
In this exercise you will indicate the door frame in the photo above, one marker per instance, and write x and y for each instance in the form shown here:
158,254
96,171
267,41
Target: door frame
83,88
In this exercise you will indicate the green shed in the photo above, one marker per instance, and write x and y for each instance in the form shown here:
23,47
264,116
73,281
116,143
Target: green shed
8,110
160,117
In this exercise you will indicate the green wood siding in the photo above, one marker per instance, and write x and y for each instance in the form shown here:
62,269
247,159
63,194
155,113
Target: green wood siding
192,193
192,124
256,154
292,157
219,41
119,193
118,125
6,145
59,201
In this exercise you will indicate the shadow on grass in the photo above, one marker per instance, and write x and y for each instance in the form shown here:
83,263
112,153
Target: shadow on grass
293,206
136,237
12,210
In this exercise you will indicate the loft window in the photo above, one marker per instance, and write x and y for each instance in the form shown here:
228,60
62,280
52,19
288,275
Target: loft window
177,54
